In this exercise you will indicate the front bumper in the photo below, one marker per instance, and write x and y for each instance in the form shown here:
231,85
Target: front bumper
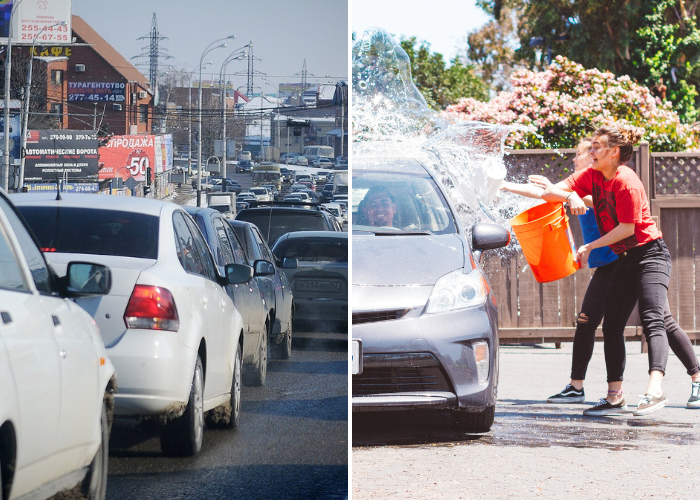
426,361
154,370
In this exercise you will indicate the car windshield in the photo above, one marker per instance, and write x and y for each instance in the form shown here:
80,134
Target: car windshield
313,249
277,223
389,202
94,231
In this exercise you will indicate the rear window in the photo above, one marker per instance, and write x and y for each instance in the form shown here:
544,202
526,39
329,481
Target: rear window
93,231
313,249
273,224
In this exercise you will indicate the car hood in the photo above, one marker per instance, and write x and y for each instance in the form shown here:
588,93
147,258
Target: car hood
412,260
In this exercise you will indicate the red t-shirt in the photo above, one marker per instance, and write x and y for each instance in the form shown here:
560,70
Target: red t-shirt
620,200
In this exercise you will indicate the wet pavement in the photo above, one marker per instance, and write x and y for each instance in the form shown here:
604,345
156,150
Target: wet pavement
536,449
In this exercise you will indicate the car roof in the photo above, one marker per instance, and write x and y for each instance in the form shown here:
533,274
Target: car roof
391,164
146,206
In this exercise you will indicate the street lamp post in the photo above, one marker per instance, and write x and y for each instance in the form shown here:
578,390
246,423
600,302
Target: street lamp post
6,114
189,117
27,94
209,48
237,54
277,125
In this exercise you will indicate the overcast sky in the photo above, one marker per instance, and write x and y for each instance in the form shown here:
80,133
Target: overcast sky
283,32
442,23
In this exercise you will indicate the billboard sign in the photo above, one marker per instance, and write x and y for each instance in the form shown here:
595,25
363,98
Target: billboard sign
97,91
128,157
60,153
14,134
41,21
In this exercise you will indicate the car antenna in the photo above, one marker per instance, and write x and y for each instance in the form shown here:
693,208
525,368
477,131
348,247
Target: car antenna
58,190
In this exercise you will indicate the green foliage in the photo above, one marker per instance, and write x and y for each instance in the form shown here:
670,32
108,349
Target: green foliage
439,85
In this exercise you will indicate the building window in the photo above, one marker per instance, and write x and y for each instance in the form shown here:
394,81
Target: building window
56,108
57,76
143,113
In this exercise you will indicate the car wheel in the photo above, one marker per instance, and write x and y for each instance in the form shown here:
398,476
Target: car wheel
227,416
471,421
183,435
259,374
94,485
283,350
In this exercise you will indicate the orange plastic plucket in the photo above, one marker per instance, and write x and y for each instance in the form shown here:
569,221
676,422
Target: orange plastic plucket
546,240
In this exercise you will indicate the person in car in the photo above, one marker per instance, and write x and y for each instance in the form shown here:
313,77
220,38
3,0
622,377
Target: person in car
378,207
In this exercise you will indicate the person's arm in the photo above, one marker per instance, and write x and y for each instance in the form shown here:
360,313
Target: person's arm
561,192
619,233
527,190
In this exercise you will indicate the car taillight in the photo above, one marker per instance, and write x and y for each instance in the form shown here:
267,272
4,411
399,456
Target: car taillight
151,308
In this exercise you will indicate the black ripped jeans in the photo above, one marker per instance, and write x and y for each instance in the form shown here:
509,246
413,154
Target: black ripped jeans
593,308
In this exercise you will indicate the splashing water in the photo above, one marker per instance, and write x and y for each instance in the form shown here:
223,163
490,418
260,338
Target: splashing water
391,118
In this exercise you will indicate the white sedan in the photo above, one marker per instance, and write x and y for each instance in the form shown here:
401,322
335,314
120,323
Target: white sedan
56,381
169,326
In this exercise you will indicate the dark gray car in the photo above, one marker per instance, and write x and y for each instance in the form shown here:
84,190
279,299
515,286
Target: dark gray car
275,287
247,297
425,325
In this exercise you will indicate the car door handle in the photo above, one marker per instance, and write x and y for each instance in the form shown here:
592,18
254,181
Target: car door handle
56,321
6,318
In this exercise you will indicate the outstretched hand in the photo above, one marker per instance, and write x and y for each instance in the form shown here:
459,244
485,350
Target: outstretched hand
539,181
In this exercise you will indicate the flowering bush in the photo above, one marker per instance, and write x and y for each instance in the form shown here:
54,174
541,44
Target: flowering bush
567,102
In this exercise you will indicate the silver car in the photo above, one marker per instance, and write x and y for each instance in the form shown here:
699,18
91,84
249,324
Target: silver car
425,325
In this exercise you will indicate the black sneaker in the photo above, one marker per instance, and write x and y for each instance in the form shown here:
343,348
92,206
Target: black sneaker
605,408
569,395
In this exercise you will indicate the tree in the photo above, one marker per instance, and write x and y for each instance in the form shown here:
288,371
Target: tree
439,85
566,102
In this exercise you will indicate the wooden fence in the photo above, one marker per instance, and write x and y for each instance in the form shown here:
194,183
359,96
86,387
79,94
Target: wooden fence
531,312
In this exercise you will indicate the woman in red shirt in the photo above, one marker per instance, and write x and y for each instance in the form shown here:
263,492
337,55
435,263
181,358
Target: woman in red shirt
644,265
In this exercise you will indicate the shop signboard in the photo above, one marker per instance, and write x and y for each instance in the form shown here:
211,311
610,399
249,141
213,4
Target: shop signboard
97,91
69,154
128,157
40,22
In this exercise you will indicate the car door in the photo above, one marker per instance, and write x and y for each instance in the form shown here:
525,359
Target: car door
278,282
79,377
215,303
27,331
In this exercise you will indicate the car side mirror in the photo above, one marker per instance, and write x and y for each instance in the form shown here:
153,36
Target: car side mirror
86,278
263,268
237,274
488,237
290,263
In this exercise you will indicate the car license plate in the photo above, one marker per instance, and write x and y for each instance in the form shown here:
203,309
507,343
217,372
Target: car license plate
356,356
318,286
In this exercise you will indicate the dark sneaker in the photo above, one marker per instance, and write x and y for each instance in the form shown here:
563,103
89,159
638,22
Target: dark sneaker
605,408
569,395
694,401
649,404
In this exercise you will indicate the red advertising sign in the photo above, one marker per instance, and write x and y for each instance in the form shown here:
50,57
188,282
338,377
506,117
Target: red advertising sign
128,156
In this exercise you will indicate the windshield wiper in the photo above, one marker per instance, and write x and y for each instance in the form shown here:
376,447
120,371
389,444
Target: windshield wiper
411,232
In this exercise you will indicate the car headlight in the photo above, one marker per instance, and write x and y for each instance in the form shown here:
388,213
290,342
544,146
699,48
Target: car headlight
458,290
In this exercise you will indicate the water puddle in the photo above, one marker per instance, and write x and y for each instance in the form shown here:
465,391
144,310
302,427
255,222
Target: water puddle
522,426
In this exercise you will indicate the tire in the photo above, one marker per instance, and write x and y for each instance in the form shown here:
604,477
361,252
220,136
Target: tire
94,485
283,350
228,416
471,421
258,375
182,436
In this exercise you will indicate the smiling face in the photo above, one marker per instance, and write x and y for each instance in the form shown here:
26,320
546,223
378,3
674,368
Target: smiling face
604,158
583,156
379,209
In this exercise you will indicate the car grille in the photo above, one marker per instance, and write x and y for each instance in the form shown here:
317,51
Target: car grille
391,373
374,316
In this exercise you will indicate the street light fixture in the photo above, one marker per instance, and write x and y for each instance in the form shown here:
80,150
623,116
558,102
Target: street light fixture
27,94
6,114
238,54
210,47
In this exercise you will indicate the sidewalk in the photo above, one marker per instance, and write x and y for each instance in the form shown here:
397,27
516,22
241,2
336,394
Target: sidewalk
532,374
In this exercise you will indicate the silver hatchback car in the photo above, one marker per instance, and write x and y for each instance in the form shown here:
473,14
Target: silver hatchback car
424,319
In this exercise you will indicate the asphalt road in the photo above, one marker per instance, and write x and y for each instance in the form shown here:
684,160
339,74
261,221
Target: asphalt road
292,441
535,449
